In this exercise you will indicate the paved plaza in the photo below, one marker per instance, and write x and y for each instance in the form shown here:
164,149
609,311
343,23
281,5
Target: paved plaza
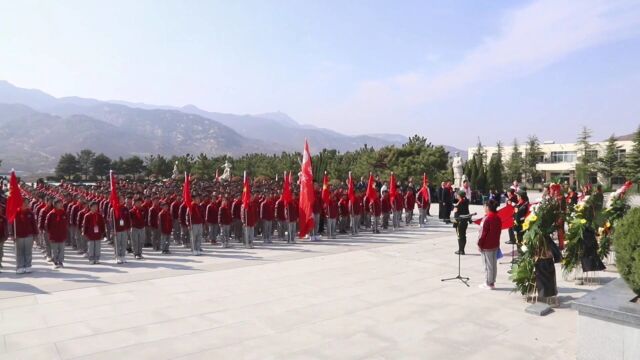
352,298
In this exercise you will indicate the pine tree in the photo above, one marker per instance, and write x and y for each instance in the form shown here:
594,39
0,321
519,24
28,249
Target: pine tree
531,159
494,169
632,162
608,164
514,165
585,160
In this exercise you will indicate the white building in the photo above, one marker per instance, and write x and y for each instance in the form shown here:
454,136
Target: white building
558,161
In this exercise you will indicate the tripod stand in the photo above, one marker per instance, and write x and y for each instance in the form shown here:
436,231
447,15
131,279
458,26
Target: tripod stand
463,279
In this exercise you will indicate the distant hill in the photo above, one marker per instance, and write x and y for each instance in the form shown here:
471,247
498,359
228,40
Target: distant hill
36,128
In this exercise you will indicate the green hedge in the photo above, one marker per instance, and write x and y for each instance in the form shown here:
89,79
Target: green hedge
627,245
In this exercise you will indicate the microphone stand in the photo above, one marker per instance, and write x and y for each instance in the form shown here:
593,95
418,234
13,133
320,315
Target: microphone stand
463,279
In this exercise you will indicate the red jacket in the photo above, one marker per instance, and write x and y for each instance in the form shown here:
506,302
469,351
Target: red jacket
291,211
267,210
374,207
423,202
331,208
343,207
125,217
248,215
165,222
491,227
175,209
317,202
42,216
279,210
235,209
356,206
152,217
195,215
398,202
224,215
57,224
93,226
137,217
25,224
410,201
212,213
385,204
3,228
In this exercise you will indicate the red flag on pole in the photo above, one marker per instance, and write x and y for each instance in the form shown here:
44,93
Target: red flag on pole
425,189
246,191
14,202
351,191
392,186
372,193
307,193
326,193
506,216
286,189
113,197
186,190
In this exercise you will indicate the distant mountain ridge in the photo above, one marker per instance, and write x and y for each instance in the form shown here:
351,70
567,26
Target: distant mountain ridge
49,126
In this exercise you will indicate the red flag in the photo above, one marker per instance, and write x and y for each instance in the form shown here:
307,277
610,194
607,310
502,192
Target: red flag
307,193
286,189
392,186
506,216
372,194
425,189
351,191
14,202
186,190
326,193
113,198
246,191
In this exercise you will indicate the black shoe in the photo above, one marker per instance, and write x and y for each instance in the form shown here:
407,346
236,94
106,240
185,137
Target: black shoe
459,252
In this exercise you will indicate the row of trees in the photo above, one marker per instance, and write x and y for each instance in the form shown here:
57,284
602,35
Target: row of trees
494,173
415,157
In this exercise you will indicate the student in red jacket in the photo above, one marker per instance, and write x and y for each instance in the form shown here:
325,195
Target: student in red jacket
211,216
138,222
26,230
249,220
224,219
385,208
331,211
93,230
375,211
3,233
165,226
281,217
489,242
267,214
56,225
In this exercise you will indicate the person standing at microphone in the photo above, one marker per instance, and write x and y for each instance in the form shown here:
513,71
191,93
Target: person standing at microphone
461,216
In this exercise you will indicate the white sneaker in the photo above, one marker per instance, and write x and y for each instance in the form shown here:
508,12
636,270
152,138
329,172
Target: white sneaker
118,260
27,269
20,271
485,286
49,259
194,252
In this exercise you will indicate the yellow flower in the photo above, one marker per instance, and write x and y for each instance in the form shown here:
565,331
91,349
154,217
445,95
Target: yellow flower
607,225
525,226
583,221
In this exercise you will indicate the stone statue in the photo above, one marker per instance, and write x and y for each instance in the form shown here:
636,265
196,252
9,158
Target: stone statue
457,170
226,174
175,171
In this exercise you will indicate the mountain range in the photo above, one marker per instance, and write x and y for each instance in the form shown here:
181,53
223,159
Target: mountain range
36,128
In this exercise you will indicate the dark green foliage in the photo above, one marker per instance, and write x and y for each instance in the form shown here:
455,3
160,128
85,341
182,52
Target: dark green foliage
412,159
67,166
627,243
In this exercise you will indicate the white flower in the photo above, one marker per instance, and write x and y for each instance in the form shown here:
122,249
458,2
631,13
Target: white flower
524,248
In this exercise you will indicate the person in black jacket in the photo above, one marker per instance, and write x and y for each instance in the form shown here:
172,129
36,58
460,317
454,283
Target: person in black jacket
461,220
522,208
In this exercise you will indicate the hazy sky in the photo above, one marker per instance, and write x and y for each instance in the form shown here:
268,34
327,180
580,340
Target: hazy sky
449,70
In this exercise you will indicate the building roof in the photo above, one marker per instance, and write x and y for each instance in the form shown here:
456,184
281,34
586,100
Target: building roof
627,137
